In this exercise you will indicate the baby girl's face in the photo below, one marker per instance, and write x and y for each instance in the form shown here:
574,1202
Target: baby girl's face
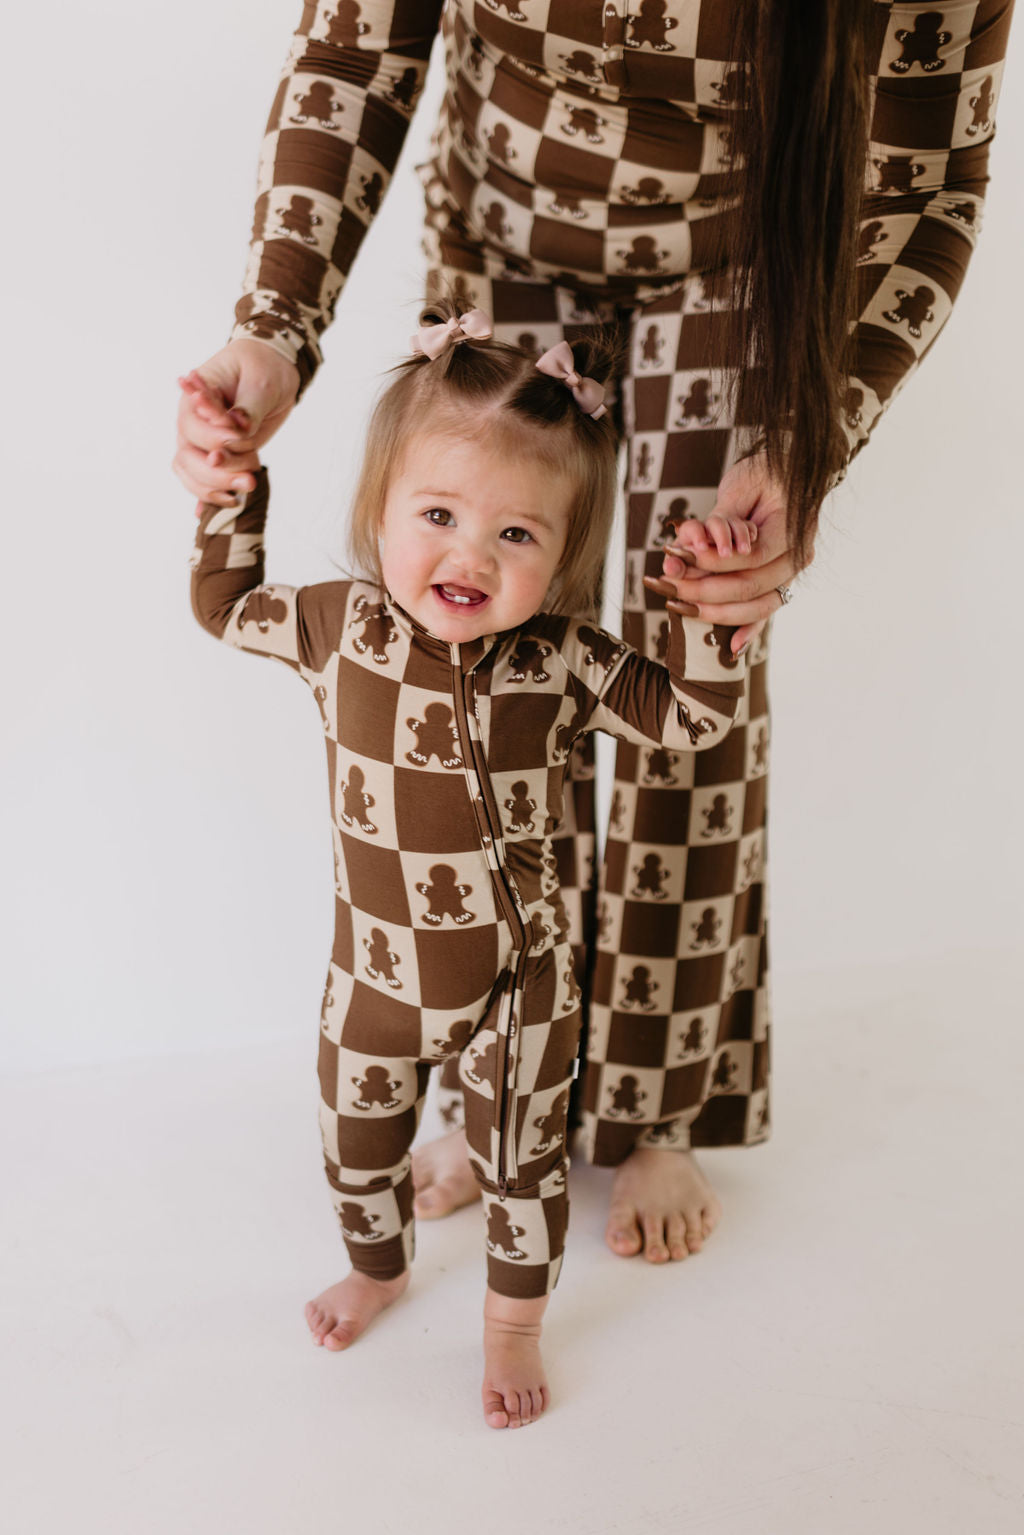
471,539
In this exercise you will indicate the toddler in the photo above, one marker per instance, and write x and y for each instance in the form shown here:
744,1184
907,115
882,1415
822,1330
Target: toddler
453,683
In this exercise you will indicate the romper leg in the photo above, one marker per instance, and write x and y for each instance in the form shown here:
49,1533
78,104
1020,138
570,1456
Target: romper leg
369,1111
525,1227
679,1022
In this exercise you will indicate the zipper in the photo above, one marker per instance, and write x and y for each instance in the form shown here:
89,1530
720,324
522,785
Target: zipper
513,913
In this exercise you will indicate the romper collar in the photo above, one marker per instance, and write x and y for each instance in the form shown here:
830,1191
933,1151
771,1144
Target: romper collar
467,655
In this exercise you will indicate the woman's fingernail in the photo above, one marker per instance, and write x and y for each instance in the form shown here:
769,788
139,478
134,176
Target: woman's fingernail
742,650
239,484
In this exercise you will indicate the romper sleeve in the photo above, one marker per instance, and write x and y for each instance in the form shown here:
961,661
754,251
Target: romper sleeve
337,123
932,122
687,704
297,625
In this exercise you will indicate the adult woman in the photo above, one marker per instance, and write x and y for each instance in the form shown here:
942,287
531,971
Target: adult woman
783,237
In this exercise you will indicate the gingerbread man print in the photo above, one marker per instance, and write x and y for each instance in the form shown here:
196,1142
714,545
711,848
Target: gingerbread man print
698,404
981,105
457,1039
660,762
266,609
651,347
382,959
520,807
318,106
355,802
378,630
299,219
483,1067
445,896
502,1236
649,189
638,990
586,121
651,26
405,90
436,736
375,1088
650,877
626,1099
343,24
551,1125
723,1078
643,256
581,63
921,44
718,817
357,1222
693,1041
706,931
529,659
914,308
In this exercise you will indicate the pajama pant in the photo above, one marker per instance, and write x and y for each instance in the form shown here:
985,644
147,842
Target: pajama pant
371,1105
671,938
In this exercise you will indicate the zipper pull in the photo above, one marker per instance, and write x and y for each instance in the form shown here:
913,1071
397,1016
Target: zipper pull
502,1187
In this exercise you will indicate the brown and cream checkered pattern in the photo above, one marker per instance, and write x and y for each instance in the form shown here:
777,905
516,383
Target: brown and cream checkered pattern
576,175
447,768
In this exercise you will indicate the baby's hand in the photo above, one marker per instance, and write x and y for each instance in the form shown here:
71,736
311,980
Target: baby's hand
208,405
722,535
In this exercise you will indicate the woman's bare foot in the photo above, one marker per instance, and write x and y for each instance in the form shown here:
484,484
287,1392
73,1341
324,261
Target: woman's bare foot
344,1310
515,1390
442,1176
662,1205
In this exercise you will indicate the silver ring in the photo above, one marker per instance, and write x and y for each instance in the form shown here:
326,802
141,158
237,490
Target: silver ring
786,593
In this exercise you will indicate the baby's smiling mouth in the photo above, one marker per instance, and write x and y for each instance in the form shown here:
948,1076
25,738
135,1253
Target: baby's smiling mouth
462,596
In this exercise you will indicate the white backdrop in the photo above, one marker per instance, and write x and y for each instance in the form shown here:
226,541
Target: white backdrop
167,861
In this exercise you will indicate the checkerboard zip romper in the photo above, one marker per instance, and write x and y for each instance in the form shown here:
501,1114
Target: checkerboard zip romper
576,175
447,767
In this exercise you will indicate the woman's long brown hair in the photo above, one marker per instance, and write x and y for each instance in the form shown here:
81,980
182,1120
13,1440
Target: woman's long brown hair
799,146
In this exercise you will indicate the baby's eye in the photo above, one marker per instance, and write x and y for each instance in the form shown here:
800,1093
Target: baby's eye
439,516
517,536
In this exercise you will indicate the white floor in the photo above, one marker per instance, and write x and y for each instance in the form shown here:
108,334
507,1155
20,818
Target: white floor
845,1356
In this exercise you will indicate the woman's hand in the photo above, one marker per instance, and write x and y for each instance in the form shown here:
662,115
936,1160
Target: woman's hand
229,408
723,577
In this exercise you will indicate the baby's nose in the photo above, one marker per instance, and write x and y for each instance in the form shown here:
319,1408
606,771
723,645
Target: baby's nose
472,555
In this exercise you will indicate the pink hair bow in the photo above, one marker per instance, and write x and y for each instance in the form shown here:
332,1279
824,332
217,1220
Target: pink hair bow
587,392
432,340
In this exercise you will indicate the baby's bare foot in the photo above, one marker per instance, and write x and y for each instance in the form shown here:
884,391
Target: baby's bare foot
442,1176
344,1310
515,1390
662,1205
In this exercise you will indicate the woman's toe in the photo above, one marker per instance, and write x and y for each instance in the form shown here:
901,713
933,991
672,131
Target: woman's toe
694,1229
676,1232
655,1250
623,1232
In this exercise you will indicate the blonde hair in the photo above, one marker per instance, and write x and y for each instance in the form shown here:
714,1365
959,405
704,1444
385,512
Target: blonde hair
487,388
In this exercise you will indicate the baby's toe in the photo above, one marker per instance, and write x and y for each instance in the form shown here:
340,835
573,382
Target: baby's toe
340,1336
494,1410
